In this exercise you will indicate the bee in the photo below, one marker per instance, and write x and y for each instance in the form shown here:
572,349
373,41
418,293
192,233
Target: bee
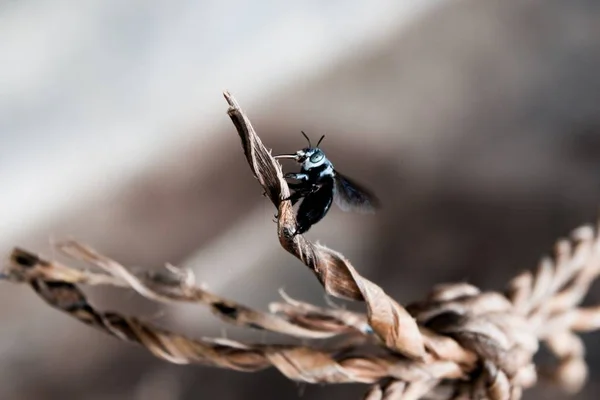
319,184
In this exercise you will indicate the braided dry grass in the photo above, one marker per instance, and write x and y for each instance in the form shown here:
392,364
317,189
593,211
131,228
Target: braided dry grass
458,343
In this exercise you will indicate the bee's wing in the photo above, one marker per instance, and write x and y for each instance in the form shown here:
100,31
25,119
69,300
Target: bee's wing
350,196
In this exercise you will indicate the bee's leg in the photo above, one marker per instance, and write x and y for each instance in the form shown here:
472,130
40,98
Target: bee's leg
297,195
300,229
300,191
297,185
297,176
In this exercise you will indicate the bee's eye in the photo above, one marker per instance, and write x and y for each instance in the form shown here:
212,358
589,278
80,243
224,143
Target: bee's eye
315,158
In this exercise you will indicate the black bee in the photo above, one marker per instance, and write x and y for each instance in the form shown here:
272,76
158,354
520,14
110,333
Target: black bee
319,184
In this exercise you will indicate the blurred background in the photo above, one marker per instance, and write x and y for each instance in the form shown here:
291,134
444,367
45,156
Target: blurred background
476,123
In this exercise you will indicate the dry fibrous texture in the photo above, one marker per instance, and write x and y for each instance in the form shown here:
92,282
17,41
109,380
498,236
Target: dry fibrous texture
457,343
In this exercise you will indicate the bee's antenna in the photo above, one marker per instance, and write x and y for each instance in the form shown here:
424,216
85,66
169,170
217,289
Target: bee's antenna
320,140
304,134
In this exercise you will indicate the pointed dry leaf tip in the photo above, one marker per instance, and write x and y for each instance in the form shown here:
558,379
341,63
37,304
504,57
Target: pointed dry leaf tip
264,167
184,275
24,258
451,291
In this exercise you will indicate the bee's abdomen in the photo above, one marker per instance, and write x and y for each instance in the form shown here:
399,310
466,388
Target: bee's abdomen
315,206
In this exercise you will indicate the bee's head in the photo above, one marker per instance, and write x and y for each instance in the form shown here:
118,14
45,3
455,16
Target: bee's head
309,156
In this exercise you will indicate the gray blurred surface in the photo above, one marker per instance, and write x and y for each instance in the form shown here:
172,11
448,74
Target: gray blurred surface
476,123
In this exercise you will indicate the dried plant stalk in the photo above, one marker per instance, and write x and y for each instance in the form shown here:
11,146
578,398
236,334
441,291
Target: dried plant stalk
457,343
